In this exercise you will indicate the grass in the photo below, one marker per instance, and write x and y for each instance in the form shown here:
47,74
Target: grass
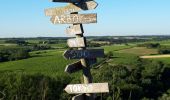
123,58
116,47
164,60
49,62
139,51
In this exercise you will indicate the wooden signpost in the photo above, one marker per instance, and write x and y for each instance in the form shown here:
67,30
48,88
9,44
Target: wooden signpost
79,54
87,88
76,42
74,67
75,30
87,57
88,5
74,19
67,1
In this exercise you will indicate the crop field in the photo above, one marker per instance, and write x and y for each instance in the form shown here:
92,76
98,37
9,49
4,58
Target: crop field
116,47
48,62
139,51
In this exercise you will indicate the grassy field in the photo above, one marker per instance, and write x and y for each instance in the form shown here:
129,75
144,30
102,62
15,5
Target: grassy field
49,62
139,51
116,47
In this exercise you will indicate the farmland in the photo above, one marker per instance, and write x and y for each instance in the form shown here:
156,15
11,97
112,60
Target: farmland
44,68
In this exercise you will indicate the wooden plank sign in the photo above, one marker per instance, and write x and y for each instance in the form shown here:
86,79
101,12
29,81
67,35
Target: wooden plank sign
71,1
75,29
79,97
76,42
87,88
74,67
89,5
79,54
74,19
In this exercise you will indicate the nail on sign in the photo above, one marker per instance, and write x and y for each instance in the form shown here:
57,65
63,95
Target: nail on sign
74,19
89,5
79,54
87,88
76,42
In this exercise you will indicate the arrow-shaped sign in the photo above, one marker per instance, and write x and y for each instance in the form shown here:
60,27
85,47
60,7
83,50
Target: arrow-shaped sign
78,66
89,5
74,19
74,67
75,29
71,1
78,54
87,88
76,42
79,97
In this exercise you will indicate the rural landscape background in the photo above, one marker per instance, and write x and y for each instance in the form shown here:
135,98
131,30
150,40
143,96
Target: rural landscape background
33,68
134,34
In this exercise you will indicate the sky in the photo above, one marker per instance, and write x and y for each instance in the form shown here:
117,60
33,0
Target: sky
26,18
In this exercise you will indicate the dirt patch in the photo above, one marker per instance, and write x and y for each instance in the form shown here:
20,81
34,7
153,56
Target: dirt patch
155,56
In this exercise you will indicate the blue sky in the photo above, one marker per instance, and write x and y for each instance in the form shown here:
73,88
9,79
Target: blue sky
25,18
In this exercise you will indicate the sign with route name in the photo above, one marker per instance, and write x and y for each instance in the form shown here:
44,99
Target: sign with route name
74,30
74,67
87,88
74,19
79,54
66,1
76,42
89,5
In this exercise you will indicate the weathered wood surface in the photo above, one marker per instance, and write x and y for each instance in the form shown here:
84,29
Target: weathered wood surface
79,54
76,42
79,97
87,88
74,19
75,29
66,1
74,67
89,5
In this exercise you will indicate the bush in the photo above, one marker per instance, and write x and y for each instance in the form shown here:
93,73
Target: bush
9,54
21,86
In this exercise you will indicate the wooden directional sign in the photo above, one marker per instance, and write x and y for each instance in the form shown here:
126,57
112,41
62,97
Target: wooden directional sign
78,66
89,5
76,42
78,54
74,67
79,97
74,30
71,1
87,88
74,19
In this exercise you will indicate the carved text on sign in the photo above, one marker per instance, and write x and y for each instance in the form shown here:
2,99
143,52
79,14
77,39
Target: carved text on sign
74,19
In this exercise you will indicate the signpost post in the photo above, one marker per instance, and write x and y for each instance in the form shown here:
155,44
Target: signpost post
87,56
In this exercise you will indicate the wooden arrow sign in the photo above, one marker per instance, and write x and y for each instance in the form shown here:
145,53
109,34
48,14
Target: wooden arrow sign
89,5
75,29
87,88
74,19
72,68
76,42
71,1
78,54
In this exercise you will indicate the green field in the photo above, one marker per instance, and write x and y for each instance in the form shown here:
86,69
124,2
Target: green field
116,47
50,62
